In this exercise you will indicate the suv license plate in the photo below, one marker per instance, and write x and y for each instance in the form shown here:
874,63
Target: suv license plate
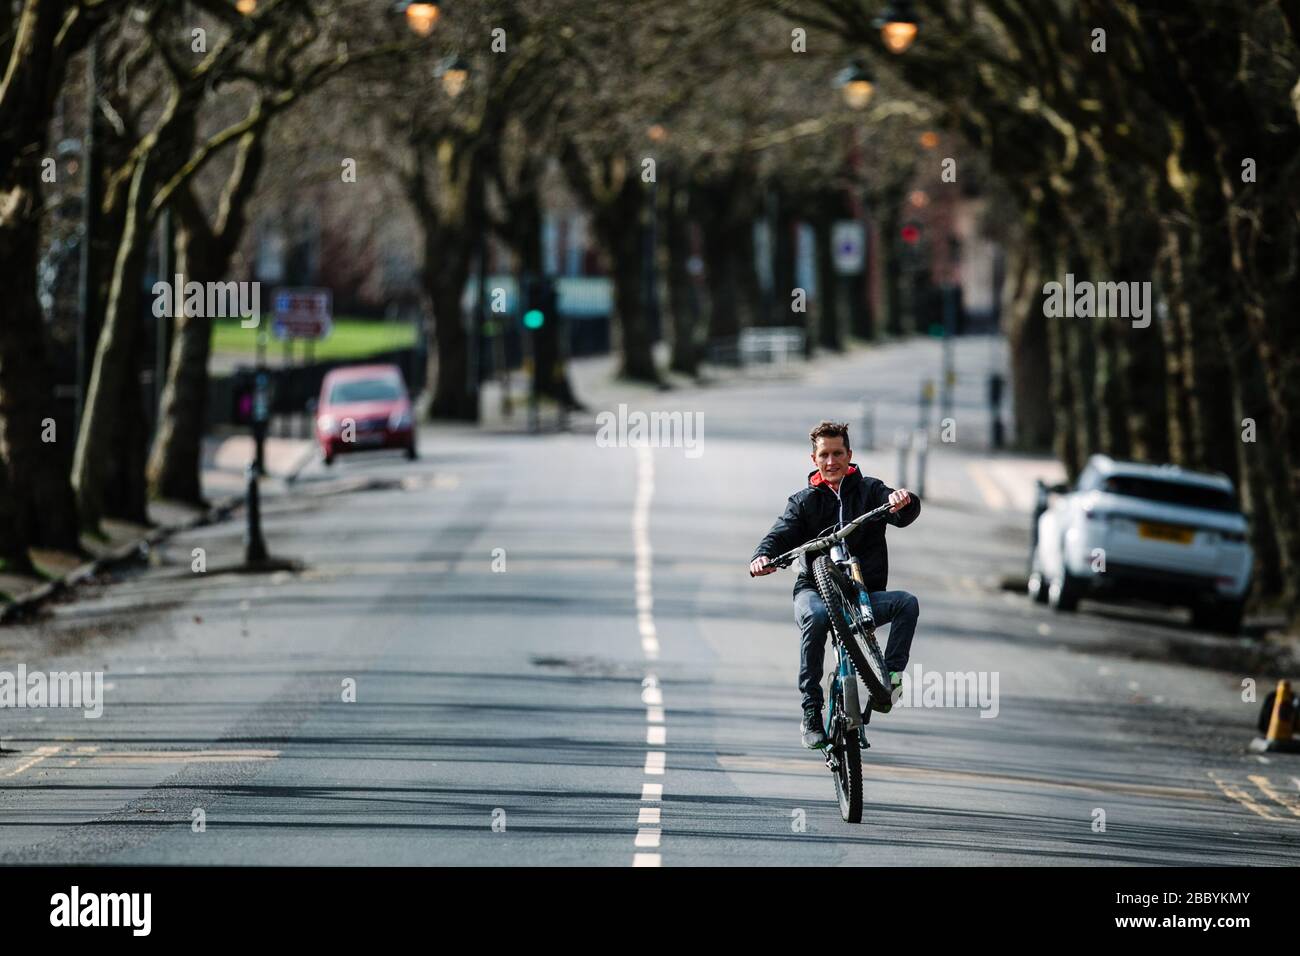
1166,532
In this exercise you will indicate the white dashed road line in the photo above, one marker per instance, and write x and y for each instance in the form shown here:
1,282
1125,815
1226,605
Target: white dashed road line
649,832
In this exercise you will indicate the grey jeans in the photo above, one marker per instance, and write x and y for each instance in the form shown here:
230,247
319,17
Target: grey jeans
898,609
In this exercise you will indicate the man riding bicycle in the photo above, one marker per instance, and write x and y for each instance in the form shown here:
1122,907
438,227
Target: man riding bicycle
837,493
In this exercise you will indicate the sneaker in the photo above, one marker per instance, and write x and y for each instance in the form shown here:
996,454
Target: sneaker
814,738
895,694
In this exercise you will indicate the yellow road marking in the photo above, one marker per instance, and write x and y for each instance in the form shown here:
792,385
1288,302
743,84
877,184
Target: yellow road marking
992,494
39,754
1241,796
184,756
1266,785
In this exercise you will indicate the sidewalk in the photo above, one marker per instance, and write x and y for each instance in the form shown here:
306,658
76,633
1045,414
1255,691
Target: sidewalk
225,458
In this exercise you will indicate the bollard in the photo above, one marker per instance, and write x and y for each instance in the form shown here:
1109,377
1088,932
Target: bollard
254,543
927,396
261,416
868,419
949,379
998,436
1281,711
903,439
922,442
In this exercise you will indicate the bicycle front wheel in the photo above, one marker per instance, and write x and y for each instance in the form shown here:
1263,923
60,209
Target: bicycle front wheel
840,594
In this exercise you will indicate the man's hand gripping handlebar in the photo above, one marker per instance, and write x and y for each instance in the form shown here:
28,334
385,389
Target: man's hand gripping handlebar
765,565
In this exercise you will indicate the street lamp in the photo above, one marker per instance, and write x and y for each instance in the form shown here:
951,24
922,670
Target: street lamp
898,26
455,74
420,17
858,85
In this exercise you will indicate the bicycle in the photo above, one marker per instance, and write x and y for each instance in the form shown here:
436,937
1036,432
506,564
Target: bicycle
838,576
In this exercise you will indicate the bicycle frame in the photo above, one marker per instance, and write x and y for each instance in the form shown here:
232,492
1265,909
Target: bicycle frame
844,685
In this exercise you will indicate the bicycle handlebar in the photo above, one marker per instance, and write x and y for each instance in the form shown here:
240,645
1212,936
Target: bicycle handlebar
824,542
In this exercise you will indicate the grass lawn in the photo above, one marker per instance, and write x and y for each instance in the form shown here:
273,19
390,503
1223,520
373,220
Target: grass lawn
350,338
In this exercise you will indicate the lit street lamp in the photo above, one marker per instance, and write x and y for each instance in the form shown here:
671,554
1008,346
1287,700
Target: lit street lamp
420,17
898,26
455,74
858,85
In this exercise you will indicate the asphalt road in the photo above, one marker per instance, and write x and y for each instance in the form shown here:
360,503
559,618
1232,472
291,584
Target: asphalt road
559,658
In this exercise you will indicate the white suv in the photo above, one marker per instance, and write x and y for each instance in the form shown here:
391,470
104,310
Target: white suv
1154,532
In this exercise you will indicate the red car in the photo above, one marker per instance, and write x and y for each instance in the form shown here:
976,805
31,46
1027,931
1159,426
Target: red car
364,407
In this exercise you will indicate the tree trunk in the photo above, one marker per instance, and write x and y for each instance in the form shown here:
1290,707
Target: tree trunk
14,558
681,290
452,216
445,273
720,269
1028,346
745,269
618,223
783,263
625,240
40,494
175,464
101,422
892,268
1109,391
829,334
111,445
448,361
42,508
203,254
615,197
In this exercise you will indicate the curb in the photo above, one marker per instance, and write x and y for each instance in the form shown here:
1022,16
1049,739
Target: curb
307,457
26,606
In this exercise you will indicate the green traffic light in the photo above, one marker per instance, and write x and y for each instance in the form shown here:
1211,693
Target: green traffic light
533,319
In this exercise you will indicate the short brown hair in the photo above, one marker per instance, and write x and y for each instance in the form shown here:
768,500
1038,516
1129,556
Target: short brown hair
828,429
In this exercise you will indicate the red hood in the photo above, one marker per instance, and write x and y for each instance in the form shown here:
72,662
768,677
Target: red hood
816,478
371,409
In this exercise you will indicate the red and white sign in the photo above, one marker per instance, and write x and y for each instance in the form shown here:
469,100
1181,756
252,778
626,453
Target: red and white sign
303,313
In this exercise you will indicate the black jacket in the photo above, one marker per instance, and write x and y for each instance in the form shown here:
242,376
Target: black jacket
817,509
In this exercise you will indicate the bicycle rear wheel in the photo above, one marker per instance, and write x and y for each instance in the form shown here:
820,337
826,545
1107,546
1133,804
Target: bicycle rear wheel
840,594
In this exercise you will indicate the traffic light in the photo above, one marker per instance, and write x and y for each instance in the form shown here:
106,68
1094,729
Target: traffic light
910,233
539,302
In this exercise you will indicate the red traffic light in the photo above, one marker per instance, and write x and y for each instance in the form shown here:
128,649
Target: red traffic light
910,234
